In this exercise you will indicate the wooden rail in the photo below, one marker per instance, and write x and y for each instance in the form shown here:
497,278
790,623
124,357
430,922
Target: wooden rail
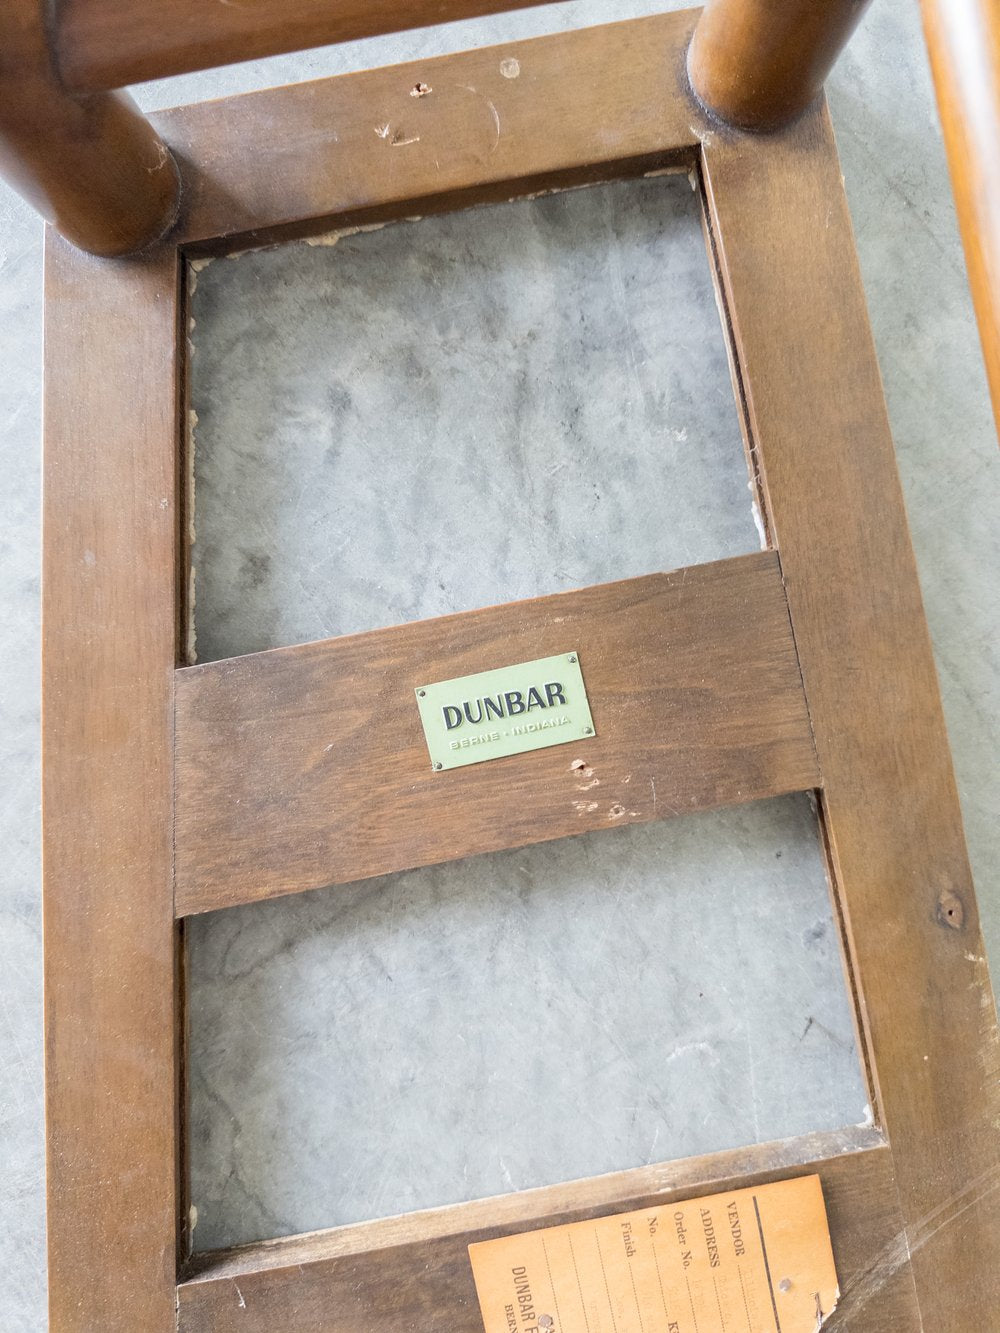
363,1272
307,766
112,43
963,38
86,159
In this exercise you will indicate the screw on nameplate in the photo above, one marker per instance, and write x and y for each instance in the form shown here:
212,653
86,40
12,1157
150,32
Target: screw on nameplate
505,711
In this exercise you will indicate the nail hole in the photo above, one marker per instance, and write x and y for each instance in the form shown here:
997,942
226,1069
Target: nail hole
951,910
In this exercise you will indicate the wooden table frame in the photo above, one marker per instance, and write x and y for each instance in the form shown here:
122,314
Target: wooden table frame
836,692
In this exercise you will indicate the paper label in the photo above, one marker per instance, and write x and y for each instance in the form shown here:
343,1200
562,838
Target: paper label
748,1261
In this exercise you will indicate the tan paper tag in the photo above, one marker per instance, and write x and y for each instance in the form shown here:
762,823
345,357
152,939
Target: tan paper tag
748,1261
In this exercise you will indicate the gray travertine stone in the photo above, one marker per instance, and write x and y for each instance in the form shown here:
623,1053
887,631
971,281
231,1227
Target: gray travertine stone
470,409
897,186
421,419
554,1012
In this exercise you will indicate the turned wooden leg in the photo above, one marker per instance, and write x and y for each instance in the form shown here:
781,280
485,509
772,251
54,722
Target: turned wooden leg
92,165
963,38
758,63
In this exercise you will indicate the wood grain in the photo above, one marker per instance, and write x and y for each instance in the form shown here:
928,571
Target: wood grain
113,43
585,105
413,1272
109,652
759,63
93,166
963,39
818,428
308,766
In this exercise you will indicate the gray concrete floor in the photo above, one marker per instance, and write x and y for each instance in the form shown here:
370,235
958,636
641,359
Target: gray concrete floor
897,186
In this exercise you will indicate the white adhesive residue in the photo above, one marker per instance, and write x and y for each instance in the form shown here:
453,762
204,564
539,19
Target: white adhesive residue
332,237
758,523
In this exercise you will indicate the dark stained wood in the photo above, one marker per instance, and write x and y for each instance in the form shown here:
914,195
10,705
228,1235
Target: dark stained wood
963,38
818,427
109,652
413,1272
113,43
308,766
584,105
93,166
759,63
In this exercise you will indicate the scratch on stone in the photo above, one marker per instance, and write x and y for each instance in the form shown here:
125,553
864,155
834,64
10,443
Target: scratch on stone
243,1304
686,1047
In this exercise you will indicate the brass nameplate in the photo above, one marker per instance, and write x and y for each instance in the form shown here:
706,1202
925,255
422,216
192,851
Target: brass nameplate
507,711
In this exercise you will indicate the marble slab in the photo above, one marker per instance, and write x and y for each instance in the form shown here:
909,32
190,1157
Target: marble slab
543,1014
474,408
425,418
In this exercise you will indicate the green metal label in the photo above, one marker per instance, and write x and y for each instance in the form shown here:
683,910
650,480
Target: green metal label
507,711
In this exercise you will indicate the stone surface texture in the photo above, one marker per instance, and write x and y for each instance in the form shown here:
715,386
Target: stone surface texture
475,408
425,418
314,966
